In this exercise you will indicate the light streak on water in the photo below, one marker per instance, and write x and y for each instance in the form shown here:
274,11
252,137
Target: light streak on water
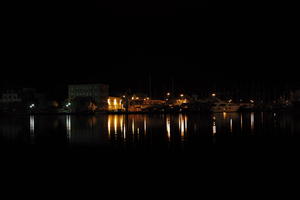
252,121
69,126
145,125
168,127
32,126
116,124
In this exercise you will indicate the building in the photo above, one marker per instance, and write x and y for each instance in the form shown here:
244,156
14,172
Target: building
96,92
17,99
84,95
10,96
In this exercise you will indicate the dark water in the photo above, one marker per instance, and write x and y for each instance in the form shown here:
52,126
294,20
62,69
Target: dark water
168,133
148,147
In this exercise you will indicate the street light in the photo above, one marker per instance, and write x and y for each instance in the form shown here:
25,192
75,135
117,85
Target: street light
68,106
32,106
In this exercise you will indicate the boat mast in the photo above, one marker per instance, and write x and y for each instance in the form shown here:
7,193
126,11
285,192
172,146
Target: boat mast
150,85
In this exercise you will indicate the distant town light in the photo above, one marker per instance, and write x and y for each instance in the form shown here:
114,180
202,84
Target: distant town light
168,94
108,101
213,94
182,95
115,102
251,101
31,106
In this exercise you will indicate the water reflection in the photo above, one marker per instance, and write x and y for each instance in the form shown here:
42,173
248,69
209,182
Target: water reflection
168,127
241,120
214,128
132,126
214,125
252,121
145,125
144,130
182,125
236,123
115,125
31,125
68,126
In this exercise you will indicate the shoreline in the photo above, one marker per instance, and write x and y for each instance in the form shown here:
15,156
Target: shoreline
142,113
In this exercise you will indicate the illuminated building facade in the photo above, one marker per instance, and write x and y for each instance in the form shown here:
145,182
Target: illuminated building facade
115,104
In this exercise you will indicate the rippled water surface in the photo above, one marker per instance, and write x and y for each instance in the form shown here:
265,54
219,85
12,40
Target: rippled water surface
177,132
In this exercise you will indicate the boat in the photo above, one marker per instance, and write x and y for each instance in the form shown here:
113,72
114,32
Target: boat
225,107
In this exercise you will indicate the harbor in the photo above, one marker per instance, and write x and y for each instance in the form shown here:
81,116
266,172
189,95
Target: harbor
96,99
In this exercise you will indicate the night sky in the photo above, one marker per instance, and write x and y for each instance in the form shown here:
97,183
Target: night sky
48,45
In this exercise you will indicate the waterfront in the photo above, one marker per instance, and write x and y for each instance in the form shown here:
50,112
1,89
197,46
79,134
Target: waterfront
141,132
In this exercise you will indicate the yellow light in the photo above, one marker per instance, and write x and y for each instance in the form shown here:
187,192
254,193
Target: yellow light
109,125
145,125
168,126
213,94
252,121
137,98
132,98
108,101
115,102
115,124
